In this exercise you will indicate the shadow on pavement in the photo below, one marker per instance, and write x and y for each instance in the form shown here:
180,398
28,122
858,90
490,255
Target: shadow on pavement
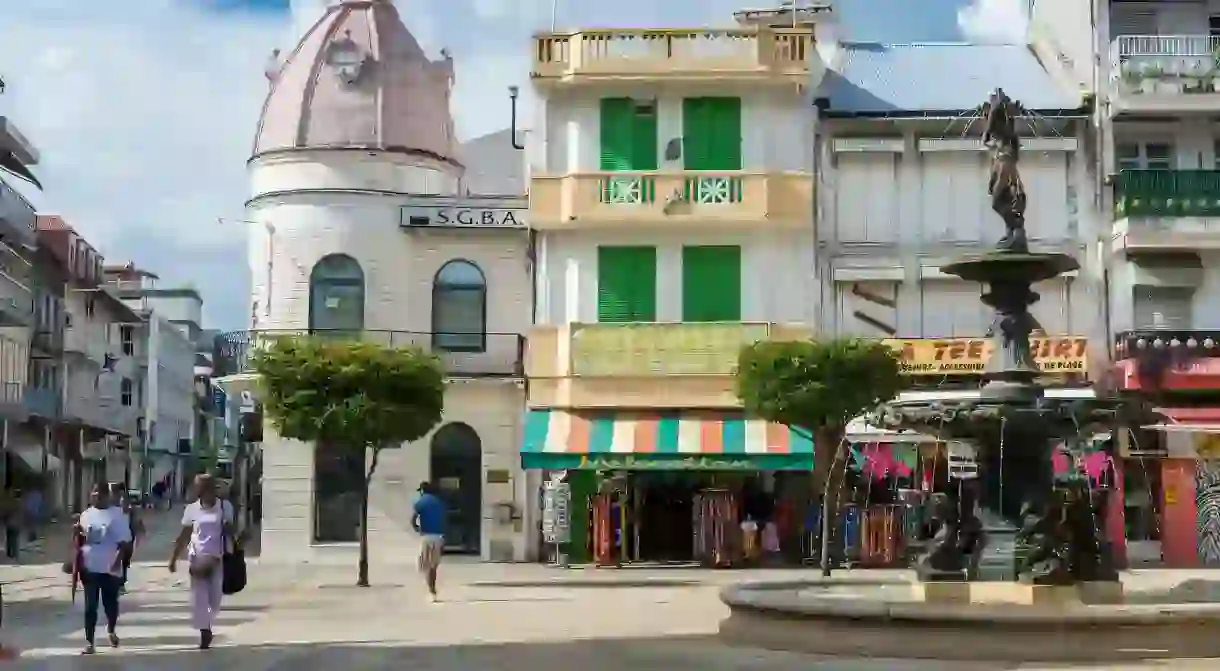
671,653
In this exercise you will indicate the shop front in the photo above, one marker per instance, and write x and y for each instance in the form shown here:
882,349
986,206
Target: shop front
1170,470
712,487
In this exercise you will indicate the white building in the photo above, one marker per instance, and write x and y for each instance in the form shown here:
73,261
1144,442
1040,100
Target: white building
903,190
362,225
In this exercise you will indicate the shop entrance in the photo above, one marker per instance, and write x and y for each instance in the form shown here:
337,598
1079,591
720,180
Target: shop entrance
456,465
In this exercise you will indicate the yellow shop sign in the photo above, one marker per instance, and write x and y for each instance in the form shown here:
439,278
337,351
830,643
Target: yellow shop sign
967,356
642,350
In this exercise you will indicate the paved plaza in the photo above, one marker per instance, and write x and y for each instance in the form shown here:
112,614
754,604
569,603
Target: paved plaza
498,617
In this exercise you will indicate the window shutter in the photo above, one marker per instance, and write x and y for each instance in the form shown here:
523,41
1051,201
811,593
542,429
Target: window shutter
626,284
711,283
617,117
643,137
725,135
695,134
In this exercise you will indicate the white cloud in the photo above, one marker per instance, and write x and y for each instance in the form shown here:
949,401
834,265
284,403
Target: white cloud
995,21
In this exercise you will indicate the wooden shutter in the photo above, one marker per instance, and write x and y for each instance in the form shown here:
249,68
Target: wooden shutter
696,134
643,136
616,122
725,122
711,283
626,284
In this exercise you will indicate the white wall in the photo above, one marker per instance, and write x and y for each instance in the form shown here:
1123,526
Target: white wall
176,308
931,198
776,128
1205,308
777,282
170,392
399,266
1193,140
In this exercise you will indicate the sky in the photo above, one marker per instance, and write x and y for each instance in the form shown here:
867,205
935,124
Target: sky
144,110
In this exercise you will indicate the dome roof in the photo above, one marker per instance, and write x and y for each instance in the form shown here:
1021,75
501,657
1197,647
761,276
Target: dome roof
359,79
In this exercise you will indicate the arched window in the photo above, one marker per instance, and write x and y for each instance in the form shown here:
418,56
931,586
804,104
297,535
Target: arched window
459,308
336,296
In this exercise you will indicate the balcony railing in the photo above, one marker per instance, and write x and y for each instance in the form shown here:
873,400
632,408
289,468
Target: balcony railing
17,212
1166,64
463,354
735,196
1167,193
43,402
661,51
16,300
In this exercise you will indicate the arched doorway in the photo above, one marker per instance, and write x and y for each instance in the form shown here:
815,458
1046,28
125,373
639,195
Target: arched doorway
456,465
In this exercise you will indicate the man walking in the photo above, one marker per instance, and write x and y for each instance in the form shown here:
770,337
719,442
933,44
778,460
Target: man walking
429,522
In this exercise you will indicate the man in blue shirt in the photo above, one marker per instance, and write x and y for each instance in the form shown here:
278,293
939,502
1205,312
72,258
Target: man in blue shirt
429,521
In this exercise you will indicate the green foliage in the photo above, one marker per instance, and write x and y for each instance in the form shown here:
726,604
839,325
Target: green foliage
350,393
816,385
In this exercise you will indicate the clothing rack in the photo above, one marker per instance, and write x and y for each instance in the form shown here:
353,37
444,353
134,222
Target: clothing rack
717,528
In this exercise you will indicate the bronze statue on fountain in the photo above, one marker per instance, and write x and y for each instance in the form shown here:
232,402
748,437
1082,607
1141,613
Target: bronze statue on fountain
1012,423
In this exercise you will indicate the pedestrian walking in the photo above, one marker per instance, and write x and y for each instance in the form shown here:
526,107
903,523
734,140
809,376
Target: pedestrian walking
429,522
103,535
207,526
31,509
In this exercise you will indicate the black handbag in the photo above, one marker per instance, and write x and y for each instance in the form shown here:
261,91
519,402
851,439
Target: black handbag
233,570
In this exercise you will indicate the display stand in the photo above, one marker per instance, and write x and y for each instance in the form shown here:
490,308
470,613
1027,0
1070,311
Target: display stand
717,528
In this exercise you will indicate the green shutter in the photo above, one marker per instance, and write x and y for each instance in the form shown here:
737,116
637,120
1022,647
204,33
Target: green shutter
711,284
711,133
617,115
626,284
628,135
725,116
644,138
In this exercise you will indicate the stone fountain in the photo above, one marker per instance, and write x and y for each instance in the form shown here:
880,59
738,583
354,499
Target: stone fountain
1061,600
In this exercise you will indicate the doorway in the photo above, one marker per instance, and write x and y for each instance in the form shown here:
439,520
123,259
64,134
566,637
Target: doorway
456,466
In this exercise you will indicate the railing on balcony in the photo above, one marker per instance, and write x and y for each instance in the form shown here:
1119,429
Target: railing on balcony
17,212
660,348
1167,193
1166,64
16,300
613,50
42,401
463,354
699,189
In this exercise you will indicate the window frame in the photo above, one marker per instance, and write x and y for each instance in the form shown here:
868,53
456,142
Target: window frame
438,287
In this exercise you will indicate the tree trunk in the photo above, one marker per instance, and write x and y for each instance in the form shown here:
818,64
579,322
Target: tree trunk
829,467
363,579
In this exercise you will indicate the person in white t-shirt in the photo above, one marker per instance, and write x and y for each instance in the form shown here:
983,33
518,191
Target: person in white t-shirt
104,535
207,527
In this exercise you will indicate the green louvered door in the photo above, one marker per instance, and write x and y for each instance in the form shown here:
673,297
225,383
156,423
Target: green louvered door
711,133
626,284
628,131
711,283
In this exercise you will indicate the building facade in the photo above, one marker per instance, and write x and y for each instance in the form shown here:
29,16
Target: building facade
21,460
671,191
1154,70
361,224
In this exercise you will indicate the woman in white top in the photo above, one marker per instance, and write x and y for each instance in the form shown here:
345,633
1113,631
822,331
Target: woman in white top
207,527
103,535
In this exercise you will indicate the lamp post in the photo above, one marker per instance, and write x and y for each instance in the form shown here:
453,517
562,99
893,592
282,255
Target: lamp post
513,93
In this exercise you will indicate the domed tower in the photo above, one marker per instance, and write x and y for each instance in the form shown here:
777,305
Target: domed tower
361,223
357,117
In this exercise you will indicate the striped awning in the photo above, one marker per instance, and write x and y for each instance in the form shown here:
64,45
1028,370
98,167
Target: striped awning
690,440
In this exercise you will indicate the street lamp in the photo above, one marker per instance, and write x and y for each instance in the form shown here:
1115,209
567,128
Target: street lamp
513,93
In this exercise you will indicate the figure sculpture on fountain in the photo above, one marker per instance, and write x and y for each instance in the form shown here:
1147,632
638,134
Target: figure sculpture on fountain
1005,187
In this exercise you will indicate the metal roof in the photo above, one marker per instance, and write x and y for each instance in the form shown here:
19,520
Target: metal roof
896,78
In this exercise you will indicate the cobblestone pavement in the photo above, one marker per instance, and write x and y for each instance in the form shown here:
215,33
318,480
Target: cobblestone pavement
491,617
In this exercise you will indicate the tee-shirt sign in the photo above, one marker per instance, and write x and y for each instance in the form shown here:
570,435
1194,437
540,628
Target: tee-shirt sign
968,356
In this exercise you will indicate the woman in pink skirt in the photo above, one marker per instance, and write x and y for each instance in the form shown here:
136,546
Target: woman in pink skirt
207,525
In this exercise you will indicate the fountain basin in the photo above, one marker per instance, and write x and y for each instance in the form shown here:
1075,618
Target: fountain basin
896,619
1002,266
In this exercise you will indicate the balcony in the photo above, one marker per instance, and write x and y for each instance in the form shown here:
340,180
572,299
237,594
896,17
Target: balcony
709,55
1166,73
17,216
463,355
42,402
642,365
1167,210
697,199
16,299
